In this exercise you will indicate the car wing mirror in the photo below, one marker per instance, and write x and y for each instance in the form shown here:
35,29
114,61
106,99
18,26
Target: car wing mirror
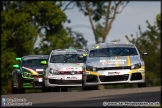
43,62
18,59
85,57
15,66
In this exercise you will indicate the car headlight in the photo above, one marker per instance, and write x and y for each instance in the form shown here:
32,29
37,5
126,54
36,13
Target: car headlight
136,66
90,68
27,74
54,71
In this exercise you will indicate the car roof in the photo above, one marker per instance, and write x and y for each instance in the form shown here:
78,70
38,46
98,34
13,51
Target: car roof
69,51
111,44
35,57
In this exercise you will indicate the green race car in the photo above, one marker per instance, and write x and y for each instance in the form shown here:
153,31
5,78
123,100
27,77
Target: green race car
28,74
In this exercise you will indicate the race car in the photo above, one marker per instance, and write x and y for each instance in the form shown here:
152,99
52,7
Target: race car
28,74
113,63
65,67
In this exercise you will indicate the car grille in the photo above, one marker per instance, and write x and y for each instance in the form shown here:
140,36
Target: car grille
39,76
114,68
91,78
27,80
114,78
64,82
136,76
36,83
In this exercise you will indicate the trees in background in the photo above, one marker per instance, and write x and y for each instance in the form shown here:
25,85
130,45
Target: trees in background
17,37
149,41
22,23
97,10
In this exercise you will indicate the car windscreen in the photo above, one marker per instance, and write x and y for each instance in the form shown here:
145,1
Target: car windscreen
66,58
32,62
113,51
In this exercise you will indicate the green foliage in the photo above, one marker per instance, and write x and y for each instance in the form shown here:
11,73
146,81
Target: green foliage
22,23
158,20
98,8
16,38
98,11
149,41
79,40
99,32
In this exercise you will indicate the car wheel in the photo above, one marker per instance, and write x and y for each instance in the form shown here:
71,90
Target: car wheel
64,89
142,84
86,87
56,89
20,90
89,87
94,87
13,90
45,89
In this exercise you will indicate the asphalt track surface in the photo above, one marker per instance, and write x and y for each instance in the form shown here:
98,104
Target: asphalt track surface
94,98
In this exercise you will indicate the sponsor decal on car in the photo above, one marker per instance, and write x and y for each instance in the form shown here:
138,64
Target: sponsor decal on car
51,77
72,78
105,63
39,69
113,73
113,61
72,68
30,70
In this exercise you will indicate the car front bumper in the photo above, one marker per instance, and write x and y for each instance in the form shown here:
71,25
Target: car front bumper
63,80
114,76
32,83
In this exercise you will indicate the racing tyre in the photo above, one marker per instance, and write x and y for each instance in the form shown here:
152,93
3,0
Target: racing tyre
64,89
141,85
95,87
83,86
45,89
56,89
20,90
89,87
13,90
